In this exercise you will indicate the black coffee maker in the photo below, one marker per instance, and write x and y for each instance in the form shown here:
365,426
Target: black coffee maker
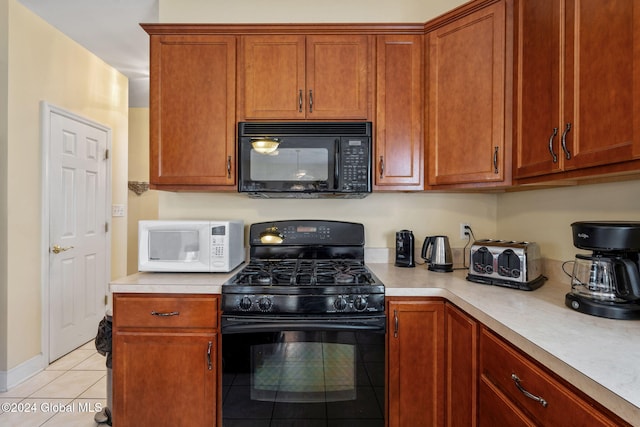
607,282
405,249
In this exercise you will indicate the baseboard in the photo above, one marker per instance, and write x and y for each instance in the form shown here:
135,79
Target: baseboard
21,373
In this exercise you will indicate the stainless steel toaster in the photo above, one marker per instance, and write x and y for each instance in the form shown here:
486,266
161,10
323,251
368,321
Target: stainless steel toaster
506,263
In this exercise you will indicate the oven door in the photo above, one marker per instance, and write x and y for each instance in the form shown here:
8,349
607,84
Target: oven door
301,370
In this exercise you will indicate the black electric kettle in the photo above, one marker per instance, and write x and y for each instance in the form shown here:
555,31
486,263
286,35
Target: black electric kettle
436,252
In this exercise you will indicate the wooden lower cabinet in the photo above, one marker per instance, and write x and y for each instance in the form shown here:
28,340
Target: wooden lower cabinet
415,360
516,391
461,368
165,360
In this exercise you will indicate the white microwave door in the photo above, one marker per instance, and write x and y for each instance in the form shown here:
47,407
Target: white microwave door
174,245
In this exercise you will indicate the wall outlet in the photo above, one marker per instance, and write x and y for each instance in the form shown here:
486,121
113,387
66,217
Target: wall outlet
117,210
464,233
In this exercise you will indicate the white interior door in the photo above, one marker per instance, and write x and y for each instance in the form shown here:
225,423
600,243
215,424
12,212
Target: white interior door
78,231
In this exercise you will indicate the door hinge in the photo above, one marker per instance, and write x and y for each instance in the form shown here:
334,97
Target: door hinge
106,300
106,154
106,227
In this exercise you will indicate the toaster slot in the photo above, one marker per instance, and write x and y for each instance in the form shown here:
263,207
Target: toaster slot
509,264
483,261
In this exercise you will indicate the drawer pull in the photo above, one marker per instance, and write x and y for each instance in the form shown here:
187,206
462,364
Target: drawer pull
171,313
516,381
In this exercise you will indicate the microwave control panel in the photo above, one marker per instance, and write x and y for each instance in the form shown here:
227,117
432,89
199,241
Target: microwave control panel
355,166
218,241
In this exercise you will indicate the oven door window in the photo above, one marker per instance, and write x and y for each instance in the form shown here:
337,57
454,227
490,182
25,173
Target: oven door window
303,372
303,378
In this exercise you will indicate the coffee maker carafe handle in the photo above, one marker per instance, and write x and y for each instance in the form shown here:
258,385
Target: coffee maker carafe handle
627,279
428,241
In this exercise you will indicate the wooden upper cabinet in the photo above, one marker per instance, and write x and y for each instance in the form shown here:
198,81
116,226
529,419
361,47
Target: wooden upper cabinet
399,134
297,77
192,111
577,84
467,99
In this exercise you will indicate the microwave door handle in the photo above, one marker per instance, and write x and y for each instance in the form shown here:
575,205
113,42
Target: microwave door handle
336,166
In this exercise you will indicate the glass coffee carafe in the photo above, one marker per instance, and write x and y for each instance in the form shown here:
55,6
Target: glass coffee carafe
594,277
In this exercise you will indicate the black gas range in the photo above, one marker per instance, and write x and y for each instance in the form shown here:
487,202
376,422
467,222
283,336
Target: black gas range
304,267
303,329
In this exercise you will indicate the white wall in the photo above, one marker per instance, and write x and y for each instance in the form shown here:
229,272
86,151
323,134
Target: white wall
299,11
144,206
545,216
43,64
382,213
4,244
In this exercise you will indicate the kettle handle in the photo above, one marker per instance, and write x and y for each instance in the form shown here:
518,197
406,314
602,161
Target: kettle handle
628,277
428,241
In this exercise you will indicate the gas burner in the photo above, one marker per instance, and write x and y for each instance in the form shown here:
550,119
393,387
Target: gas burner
344,278
263,278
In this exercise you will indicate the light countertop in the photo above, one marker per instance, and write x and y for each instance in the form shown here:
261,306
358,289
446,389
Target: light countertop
599,356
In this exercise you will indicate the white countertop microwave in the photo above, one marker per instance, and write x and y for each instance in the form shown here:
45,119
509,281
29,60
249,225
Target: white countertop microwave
190,246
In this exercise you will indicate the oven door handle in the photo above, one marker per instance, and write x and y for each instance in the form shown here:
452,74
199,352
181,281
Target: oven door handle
236,324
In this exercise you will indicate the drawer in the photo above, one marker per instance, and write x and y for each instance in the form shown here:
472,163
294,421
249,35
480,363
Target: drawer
499,361
165,311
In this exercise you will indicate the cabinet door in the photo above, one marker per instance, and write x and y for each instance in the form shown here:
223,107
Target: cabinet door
415,363
165,378
538,88
399,113
461,359
291,77
338,77
467,99
601,81
578,85
192,123
272,83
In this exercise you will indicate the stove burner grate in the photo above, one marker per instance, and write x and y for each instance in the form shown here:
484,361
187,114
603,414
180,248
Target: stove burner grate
304,272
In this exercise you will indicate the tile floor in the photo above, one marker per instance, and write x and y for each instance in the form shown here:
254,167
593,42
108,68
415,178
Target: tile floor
66,394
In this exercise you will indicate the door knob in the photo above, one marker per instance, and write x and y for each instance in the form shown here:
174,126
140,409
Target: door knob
57,249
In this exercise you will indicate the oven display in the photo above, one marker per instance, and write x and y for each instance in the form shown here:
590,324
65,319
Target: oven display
307,229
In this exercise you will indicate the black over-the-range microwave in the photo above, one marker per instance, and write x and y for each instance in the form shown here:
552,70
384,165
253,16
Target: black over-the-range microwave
305,159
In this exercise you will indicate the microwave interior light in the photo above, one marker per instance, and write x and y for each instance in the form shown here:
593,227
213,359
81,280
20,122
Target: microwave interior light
271,236
265,145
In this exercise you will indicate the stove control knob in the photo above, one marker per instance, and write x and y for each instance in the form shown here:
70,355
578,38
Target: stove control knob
360,303
340,303
245,303
264,303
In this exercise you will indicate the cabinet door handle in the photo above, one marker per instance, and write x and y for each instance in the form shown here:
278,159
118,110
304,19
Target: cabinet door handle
553,155
495,160
564,141
516,381
381,167
210,365
396,323
166,314
229,167
300,101
310,101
